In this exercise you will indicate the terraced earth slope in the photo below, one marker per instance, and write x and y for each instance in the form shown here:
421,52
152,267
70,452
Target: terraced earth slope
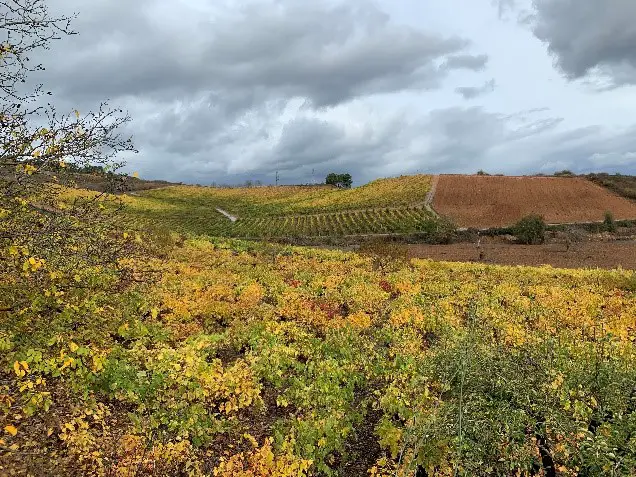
395,205
498,201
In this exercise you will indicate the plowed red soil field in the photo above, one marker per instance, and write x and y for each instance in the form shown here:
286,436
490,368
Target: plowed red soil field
496,201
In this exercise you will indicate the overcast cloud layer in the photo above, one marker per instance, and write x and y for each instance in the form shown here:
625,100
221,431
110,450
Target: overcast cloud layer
226,91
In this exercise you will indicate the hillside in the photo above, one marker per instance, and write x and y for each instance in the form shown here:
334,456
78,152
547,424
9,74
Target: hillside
153,329
393,205
499,201
617,183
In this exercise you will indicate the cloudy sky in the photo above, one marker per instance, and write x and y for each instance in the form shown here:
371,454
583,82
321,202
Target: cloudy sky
228,90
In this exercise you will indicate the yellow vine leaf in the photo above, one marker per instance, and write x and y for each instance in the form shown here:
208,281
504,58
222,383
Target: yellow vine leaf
11,429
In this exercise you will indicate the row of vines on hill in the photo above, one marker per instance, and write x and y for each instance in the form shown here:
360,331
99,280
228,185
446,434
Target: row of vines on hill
193,214
408,220
293,200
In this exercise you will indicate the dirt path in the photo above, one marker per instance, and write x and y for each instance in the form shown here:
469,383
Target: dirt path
227,214
430,196
431,193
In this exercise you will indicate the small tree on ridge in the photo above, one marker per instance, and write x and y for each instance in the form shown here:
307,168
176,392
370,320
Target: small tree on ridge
342,181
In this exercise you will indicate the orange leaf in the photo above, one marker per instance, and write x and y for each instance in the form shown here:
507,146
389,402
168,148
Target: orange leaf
11,429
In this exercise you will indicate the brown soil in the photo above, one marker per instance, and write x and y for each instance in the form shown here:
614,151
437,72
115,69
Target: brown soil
498,201
607,255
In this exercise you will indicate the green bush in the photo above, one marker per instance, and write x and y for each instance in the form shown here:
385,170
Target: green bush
530,230
608,222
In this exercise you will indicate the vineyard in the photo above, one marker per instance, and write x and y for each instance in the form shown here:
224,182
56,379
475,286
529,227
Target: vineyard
242,359
294,200
210,222
384,206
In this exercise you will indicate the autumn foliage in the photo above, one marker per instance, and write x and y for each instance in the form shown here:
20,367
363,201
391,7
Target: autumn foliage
155,353
319,363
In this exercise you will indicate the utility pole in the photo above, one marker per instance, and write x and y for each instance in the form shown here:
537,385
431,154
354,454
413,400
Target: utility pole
277,177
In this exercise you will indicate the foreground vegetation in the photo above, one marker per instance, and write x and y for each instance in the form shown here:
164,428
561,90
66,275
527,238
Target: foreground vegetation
247,359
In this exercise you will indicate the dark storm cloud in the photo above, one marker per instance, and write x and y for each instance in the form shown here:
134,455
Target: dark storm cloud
323,145
208,83
327,54
590,36
472,92
460,140
229,91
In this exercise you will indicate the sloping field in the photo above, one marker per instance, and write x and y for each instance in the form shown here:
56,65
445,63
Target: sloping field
498,201
296,200
392,205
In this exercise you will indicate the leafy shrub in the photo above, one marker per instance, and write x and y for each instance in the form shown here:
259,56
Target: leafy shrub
608,223
530,230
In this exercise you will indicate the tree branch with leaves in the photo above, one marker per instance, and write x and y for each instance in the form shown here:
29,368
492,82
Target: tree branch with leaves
43,219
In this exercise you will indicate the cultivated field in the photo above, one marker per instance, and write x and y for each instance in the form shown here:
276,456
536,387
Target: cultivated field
245,360
495,201
138,340
381,207
207,356
294,200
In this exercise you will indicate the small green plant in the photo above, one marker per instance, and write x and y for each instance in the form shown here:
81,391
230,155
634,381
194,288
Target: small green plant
608,223
530,230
